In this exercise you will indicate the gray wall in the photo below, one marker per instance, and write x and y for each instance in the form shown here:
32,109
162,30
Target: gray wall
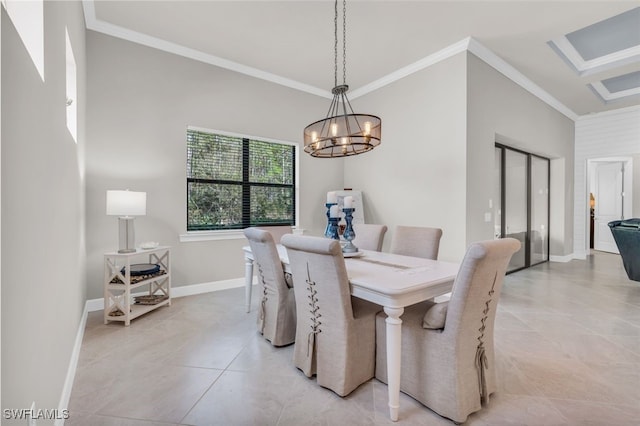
436,162
43,275
141,101
500,110
417,176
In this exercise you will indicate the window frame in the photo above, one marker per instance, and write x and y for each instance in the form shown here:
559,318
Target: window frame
225,234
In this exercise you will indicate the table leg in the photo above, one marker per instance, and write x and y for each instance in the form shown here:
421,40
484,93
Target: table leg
394,348
248,281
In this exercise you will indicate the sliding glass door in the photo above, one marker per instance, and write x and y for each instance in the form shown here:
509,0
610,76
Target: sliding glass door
522,180
515,204
539,227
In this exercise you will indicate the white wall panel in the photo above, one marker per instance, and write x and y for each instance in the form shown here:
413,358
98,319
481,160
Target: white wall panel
610,134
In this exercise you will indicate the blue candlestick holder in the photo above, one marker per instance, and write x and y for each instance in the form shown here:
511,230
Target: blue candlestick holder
327,231
349,234
333,228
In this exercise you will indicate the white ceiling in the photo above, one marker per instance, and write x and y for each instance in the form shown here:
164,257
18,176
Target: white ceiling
291,42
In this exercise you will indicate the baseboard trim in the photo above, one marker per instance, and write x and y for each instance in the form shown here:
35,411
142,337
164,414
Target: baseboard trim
562,259
580,255
190,290
187,290
73,365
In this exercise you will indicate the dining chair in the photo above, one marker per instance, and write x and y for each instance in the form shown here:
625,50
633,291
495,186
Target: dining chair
416,241
335,336
277,312
448,361
369,236
277,231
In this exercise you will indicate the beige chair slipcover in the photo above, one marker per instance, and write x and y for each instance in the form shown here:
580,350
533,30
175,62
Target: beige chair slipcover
452,370
416,241
277,231
277,311
335,338
369,236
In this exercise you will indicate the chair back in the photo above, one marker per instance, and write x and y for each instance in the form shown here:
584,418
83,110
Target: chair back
266,258
369,236
276,318
277,231
416,241
474,298
335,335
320,280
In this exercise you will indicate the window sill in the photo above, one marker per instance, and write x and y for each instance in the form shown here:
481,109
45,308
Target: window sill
236,234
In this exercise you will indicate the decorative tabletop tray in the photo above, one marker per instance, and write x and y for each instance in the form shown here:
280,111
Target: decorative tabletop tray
138,278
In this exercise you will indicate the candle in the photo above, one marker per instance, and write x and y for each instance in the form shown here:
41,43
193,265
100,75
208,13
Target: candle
348,202
367,128
334,211
332,197
334,129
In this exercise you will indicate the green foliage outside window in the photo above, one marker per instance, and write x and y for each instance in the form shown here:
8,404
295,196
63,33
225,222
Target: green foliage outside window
234,182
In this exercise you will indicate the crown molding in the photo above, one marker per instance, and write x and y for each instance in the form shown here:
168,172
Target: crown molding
469,44
630,109
146,40
403,72
517,77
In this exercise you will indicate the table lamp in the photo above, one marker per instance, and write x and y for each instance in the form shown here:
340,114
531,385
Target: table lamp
126,204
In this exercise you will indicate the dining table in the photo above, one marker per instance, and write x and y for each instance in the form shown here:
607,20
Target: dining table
390,280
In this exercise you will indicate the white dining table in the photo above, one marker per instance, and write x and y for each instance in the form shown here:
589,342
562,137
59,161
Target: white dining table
392,281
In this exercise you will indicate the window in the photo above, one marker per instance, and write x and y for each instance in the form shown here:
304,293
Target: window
72,98
28,18
234,182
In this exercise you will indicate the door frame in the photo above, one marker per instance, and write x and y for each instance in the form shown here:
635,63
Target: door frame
627,190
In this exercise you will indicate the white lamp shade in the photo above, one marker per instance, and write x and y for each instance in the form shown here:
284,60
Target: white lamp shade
126,203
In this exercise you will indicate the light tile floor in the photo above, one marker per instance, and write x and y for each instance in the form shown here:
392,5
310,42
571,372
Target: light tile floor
567,353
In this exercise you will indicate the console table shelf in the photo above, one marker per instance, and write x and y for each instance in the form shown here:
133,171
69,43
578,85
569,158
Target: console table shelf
118,303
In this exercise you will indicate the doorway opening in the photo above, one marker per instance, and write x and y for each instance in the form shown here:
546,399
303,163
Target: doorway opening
609,197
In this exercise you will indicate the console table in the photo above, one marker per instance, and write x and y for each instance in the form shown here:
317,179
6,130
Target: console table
118,284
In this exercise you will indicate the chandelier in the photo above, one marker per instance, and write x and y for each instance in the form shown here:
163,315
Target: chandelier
342,133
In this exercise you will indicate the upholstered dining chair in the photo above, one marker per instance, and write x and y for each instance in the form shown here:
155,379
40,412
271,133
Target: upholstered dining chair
335,336
277,311
448,361
369,236
277,231
416,241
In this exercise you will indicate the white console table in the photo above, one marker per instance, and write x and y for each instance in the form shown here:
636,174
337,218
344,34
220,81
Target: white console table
118,304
